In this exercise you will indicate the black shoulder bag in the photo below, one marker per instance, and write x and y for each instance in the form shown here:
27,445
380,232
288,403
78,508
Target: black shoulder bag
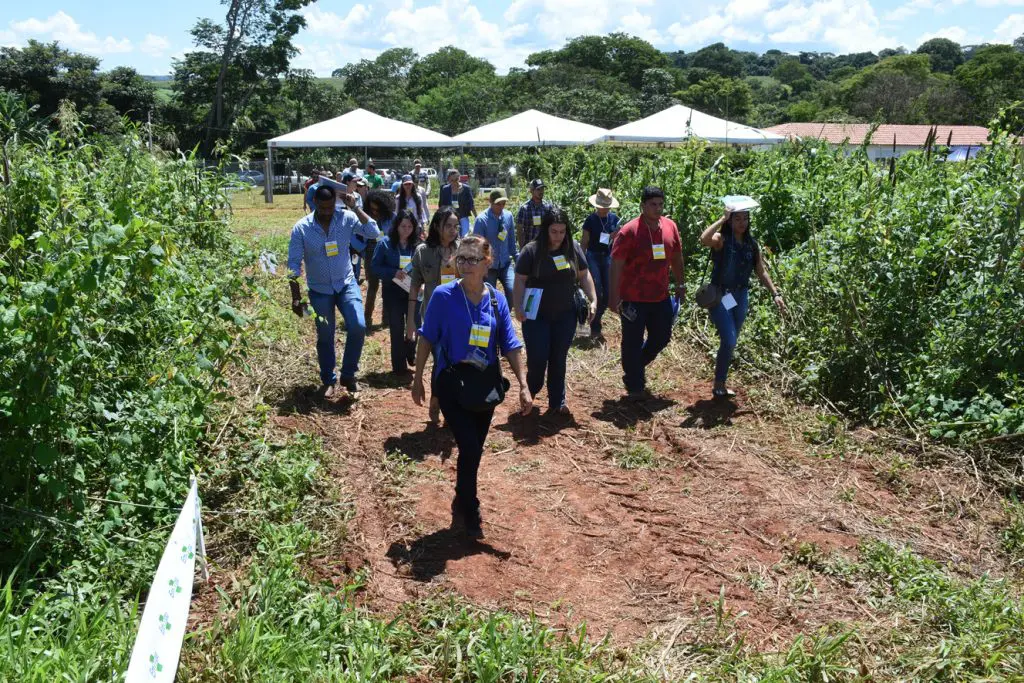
474,389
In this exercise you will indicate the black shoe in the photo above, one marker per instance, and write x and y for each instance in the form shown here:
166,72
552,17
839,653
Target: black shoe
350,384
474,528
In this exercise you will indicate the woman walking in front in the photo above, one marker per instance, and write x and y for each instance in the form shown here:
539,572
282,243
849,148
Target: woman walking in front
411,199
392,262
466,322
734,255
433,264
596,241
549,268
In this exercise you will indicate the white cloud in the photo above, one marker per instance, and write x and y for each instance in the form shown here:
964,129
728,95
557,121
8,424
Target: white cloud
1000,3
908,10
154,45
1010,29
552,22
844,25
68,32
639,25
321,22
957,34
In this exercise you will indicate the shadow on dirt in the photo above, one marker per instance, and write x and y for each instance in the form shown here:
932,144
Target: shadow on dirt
428,555
388,380
431,440
306,399
625,412
529,429
709,413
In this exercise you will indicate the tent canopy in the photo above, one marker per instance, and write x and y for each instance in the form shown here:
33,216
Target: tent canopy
677,124
529,128
361,128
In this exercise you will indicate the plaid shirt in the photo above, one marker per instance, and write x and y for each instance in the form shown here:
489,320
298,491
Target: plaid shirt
524,219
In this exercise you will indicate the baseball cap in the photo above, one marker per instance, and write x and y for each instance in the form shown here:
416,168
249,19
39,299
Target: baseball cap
535,183
407,178
360,180
348,177
497,196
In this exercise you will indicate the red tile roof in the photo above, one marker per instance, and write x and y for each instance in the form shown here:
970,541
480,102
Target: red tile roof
915,136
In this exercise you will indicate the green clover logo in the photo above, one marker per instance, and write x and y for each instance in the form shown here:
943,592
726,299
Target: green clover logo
165,623
173,587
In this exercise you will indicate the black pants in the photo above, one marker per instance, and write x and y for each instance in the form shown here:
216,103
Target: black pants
396,311
470,432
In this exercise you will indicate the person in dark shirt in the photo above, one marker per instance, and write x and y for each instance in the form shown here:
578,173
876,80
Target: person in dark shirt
458,196
549,267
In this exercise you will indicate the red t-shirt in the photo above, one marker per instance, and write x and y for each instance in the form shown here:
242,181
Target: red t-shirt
644,277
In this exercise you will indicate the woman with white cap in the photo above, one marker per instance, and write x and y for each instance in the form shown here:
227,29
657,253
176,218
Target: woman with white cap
410,199
596,241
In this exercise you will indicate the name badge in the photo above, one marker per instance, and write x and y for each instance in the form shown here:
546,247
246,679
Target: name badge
447,277
332,248
404,262
536,220
659,251
560,262
605,238
480,335
503,234
729,301
455,204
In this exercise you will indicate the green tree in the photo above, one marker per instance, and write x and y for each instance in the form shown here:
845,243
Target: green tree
886,91
720,59
945,54
255,44
993,78
128,92
462,104
617,54
309,100
45,74
444,67
790,70
656,91
728,98
381,85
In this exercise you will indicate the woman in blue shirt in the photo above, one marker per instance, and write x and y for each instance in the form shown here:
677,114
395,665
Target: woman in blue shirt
596,240
735,254
392,262
463,325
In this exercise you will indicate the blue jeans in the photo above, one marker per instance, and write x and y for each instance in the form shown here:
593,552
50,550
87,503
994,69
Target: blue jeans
507,276
656,320
547,349
599,264
728,324
350,302
396,310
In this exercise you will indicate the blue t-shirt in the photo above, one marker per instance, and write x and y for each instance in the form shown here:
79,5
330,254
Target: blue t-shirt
309,196
450,315
595,225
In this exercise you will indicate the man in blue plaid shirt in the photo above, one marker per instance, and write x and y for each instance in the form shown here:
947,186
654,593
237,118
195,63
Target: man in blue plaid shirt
531,213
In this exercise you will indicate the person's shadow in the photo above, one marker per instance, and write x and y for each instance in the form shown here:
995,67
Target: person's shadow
428,555
625,412
431,440
529,429
709,413
388,380
308,398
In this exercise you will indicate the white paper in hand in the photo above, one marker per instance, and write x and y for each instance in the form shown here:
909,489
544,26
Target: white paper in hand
403,282
740,202
531,302
729,301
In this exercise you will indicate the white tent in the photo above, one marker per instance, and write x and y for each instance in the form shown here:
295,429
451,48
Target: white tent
678,124
358,128
531,128
361,128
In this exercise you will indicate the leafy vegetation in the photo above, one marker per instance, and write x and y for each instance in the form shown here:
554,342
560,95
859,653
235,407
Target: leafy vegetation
903,282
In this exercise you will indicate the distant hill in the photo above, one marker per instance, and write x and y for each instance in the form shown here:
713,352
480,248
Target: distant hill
167,77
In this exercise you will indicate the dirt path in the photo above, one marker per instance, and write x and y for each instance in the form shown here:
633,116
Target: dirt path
737,504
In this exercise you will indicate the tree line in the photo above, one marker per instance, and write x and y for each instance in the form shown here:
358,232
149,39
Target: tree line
236,88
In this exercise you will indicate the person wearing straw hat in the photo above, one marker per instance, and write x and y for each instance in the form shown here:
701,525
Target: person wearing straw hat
596,239
496,226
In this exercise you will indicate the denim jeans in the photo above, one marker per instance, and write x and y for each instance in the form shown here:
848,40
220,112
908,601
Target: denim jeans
599,264
728,324
350,302
506,275
396,310
470,432
656,320
372,287
547,348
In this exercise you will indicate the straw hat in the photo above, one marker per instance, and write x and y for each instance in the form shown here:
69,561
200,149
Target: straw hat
604,199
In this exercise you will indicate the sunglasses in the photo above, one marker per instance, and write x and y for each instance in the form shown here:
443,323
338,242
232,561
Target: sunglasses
467,260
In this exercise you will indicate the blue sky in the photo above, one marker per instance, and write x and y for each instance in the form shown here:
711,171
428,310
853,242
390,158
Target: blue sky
148,37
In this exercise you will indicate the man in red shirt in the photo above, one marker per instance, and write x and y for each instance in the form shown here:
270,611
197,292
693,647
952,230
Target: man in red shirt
644,250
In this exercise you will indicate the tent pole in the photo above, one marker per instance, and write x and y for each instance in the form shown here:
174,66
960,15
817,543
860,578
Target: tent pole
268,177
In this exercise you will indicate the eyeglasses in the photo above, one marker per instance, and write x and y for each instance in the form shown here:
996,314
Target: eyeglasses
467,260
